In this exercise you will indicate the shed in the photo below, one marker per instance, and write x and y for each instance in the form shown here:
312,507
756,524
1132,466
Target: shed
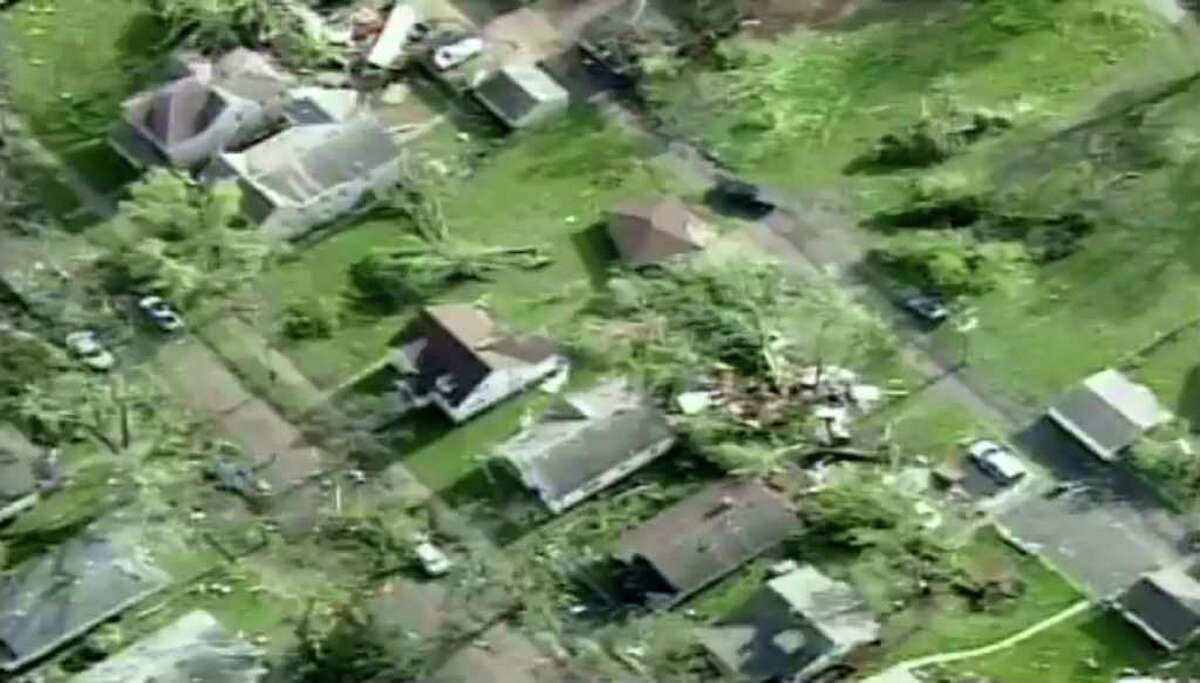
651,231
1165,605
521,95
1108,413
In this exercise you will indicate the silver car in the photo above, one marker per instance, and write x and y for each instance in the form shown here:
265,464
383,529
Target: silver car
998,462
86,346
160,313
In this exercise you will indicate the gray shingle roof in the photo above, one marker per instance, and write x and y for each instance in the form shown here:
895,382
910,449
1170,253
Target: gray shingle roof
798,621
67,592
592,440
515,92
1108,412
301,163
709,534
1166,605
16,465
193,649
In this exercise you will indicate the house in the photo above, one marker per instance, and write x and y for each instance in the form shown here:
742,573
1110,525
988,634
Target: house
309,175
588,441
1108,413
215,106
460,359
1165,605
67,592
18,482
704,537
651,231
795,626
521,95
195,648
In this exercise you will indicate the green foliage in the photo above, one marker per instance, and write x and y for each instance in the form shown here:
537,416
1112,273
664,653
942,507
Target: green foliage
310,318
1174,471
347,645
953,263
182,240
932,140
216,24
24,360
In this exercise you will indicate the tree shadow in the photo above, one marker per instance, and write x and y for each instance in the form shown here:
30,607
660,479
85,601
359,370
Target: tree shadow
596,251
1187,405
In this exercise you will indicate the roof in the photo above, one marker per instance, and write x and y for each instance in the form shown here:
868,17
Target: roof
176,112
463,342
1108,412
17,455
67,592
650,231
515,92
249,75
796,621
1165,605
709,534
575,444
195,648
303,162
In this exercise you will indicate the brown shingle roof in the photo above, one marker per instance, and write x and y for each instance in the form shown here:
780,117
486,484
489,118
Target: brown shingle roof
709,534
465,342
650,231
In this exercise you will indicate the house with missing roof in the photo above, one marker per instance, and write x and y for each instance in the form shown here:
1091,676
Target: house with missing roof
311,174
460,359
652,231
795,626
703,538
18,481
588,441
65,593
1108,413
1165,605
521,95
216,105
195,648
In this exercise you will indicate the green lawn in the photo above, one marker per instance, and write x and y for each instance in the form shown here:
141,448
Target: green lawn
70,64
547,188
928,424
953,625
1090,648
800,107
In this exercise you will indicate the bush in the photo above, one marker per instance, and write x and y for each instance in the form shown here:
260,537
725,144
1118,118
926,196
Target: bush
310,319
952,263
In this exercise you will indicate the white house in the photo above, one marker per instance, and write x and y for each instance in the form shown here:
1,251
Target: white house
309,175
587,442
458,358
215,105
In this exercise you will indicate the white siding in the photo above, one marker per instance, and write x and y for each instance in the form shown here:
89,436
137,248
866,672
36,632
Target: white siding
499,386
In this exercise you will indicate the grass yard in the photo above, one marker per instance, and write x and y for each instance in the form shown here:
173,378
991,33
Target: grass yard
1091,648
928,424
70,64
548,187
1172,370
950,623
772,108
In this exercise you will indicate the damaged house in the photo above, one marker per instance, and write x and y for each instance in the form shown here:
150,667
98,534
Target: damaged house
587,442
458,358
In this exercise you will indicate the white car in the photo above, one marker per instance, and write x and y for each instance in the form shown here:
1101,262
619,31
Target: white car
86,346
998,462
456,53
432,559
160,313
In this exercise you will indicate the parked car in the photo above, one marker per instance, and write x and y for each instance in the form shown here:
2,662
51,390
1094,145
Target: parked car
929,308
456,53
997,462
159,312
743,195
86,346
433,560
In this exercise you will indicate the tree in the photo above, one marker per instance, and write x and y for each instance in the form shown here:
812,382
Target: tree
953,263
215,24
345,644
309,318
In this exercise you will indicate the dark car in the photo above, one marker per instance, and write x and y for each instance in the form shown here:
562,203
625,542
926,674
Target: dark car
743,194
930,308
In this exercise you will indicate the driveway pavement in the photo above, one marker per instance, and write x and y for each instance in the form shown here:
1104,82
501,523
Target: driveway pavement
1103,537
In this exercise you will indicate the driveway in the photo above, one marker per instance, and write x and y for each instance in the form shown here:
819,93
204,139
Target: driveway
1103,537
